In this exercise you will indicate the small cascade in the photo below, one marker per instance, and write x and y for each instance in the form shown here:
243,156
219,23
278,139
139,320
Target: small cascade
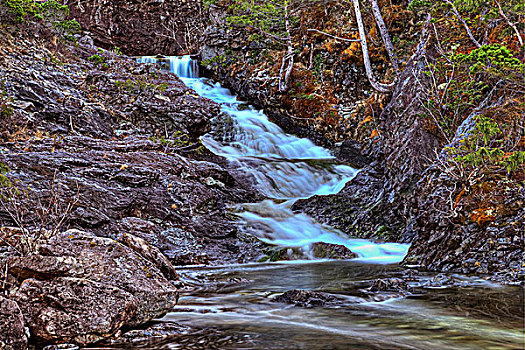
286,168
183,66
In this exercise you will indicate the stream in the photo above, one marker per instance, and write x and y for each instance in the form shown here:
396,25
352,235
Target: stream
235,308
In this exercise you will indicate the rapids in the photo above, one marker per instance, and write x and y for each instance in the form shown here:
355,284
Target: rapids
286,168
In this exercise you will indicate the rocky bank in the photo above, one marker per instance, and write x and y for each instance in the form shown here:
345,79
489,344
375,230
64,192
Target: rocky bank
105,188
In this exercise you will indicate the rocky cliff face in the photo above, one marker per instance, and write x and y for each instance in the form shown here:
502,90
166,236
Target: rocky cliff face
122,138
142,27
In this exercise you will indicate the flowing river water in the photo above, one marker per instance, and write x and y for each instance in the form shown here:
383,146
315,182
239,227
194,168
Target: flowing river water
236,310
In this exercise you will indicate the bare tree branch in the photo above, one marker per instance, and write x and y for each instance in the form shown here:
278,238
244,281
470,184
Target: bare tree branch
289,57
385,36
455,10
520,39
375,84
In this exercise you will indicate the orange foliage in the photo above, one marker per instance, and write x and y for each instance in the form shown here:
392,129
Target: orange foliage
483,215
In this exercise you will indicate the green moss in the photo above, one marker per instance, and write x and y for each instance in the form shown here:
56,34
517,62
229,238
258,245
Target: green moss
97,59
481,148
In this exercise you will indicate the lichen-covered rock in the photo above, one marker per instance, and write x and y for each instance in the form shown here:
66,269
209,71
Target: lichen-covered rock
66,309
149,252
12,326
108,261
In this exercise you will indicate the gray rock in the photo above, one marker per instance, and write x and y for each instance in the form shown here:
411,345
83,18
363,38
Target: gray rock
306,298
105,261
108,261
12,334
149,252
66,309
323,250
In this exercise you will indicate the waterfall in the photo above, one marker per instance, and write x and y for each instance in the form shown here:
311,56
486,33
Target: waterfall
183,66
286,168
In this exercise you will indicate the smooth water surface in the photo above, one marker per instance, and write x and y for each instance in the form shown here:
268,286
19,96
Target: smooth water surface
476,316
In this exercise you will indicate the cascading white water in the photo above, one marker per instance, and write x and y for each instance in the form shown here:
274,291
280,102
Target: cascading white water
286,168
183,66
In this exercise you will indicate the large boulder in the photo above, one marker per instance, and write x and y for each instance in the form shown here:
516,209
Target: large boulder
103,260
82,288
12,334
76,310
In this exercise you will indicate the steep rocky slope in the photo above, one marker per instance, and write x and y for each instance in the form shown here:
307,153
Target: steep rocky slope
102,175
116,135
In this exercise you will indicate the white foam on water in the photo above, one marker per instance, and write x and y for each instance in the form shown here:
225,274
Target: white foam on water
286,168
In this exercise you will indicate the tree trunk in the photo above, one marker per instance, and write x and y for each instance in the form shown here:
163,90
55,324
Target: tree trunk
288,59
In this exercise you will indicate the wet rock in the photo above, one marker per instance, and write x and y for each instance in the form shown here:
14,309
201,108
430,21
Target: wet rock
349,151
182,257
13,334
318,250
360,208
77,310
389,284
149,335
306,298
323,250
276,253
